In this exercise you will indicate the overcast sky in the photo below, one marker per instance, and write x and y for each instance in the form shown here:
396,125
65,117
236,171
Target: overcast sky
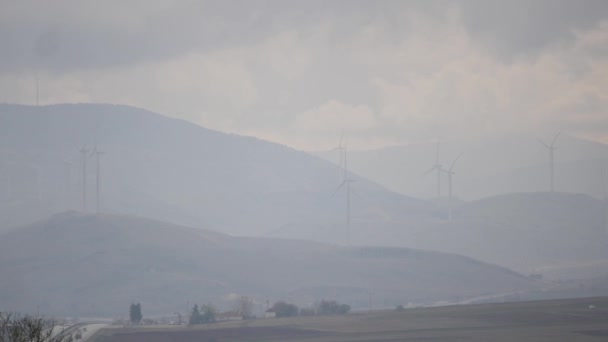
299,73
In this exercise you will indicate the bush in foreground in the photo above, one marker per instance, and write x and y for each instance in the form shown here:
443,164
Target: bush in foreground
16,328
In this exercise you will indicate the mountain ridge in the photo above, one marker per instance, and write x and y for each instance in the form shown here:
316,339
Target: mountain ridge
98,264
172,170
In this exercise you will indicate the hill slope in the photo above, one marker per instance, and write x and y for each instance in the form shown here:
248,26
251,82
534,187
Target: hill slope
174,171
559,235
99,264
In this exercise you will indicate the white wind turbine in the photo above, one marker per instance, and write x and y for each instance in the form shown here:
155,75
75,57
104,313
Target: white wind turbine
605,202
340,148
97,153
551,147
84,155
450,172
438,168
346,183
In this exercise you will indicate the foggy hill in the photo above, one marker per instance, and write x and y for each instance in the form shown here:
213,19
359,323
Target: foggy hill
172,170
178,172
559,235
489,167
94,265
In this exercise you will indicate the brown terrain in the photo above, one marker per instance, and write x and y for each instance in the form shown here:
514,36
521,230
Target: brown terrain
556,320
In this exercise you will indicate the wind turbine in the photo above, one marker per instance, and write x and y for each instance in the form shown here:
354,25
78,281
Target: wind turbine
340,148
97,154
36,75
605,202
346,183
450,172
439,168
83,153
551,147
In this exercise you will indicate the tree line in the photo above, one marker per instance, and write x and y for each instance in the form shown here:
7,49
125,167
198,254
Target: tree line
208,313
324,307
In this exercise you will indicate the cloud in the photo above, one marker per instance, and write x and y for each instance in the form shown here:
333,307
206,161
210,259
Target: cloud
66,35
382,72
334,116
526,28
473,93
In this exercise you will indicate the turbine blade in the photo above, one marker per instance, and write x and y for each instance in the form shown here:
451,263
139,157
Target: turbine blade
555,138
543,143
338,188
454,162
429,171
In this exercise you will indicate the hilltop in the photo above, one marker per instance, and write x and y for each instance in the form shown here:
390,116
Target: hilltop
82,264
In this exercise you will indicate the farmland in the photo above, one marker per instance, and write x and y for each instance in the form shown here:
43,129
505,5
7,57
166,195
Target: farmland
567,320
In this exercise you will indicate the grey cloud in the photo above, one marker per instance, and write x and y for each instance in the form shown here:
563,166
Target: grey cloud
253,67
68,41
123,34
515,28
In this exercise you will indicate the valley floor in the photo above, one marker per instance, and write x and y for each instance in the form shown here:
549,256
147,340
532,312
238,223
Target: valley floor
556,320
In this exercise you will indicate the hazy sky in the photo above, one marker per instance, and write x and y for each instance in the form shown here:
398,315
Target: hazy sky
299,73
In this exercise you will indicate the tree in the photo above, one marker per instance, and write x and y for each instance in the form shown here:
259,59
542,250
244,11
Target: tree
343,309
195,316
135,313
205,315
15,328
331,307
283,309
208,315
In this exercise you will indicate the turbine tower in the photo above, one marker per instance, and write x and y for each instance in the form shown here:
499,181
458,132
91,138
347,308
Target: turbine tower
340,148
551,147
83,153
605,202
98,155
36,90
346,183
438,168
450,172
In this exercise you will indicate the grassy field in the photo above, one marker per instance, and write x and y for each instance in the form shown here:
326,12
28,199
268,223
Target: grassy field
557,320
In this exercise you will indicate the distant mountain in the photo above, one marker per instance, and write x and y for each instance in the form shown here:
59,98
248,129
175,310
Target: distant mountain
84,264
178,172
172,170
490,167
559,235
